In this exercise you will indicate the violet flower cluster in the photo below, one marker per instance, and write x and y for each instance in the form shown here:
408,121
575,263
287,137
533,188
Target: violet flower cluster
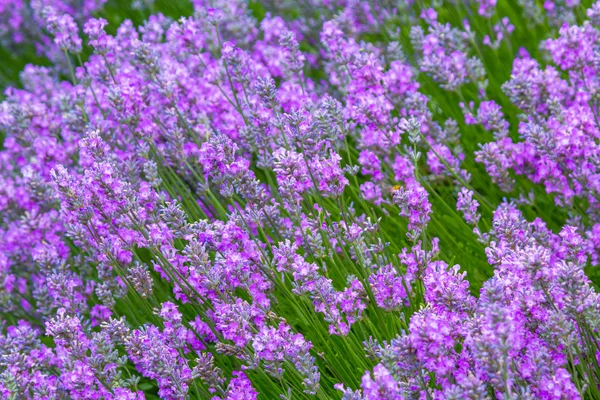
323,199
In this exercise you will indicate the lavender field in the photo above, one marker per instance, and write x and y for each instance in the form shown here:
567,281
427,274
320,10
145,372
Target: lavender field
299,199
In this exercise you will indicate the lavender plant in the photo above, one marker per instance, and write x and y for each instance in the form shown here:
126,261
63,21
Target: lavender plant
300,200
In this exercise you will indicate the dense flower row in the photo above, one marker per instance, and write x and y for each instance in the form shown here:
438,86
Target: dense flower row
218,207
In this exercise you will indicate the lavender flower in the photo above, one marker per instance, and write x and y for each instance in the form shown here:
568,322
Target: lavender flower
257,201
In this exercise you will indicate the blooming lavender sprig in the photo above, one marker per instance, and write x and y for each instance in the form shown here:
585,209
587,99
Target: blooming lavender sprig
468,206
414,205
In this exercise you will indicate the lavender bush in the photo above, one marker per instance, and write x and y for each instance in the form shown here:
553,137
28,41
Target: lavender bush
355,200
